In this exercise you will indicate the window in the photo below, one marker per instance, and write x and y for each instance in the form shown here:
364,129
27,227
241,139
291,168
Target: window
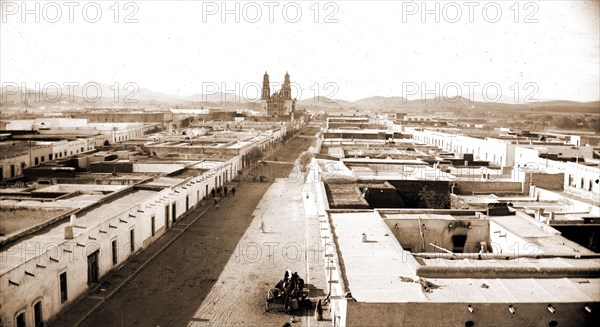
12,171
571,180
115,254
153,225
43,158
132,240
50,156
81,149
36,161
166,216
63,287
21,320
187,202
38,318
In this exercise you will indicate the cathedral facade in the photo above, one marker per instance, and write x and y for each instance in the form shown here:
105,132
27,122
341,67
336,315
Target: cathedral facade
281,102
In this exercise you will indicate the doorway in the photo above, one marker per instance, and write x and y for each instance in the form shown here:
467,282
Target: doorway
174,212
93,268
458,243
38,318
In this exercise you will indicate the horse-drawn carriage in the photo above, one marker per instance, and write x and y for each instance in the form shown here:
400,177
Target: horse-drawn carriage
288,295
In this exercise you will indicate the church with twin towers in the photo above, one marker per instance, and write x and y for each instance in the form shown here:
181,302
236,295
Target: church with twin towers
279,104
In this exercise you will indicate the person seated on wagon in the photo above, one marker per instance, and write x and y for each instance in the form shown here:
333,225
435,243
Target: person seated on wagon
282,284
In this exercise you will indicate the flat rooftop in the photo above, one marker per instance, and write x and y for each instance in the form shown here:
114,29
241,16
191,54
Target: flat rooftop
165,181
13,256
14,148
25,208
357,130
16,219
381,271
344,195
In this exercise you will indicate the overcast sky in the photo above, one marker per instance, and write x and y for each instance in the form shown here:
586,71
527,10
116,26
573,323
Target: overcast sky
355,49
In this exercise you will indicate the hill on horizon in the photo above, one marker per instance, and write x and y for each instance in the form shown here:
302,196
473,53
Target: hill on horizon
130,95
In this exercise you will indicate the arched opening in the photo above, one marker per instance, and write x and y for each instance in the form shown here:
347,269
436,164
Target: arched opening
553,323
106,143
458,242
469,324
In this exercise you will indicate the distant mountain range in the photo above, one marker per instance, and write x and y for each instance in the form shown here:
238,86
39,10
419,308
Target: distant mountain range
125,93
96,94
390,104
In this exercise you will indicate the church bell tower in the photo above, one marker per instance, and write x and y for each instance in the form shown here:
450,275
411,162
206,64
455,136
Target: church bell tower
286,89
266,90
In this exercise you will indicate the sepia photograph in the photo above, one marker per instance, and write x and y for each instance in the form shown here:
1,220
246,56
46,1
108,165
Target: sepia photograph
307,163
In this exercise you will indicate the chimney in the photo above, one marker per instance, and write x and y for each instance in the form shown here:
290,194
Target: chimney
73,222
68,232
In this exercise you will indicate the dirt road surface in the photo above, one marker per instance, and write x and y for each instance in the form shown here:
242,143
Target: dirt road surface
220,269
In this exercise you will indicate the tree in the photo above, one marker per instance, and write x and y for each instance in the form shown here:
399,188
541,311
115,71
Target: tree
304,159
434,200
254,155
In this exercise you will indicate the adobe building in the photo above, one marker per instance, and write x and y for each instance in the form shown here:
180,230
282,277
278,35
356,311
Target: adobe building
78,216
493,255
57,242
488,265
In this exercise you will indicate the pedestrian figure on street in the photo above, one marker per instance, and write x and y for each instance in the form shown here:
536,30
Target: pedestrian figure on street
262,226
319,311
225,190
233,191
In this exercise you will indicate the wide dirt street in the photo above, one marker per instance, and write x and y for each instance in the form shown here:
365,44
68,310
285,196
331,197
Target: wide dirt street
218,272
